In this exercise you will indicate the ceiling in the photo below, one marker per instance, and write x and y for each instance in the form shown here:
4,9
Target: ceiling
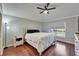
29,11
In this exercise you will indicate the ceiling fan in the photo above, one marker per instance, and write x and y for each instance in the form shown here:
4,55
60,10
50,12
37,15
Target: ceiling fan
46,9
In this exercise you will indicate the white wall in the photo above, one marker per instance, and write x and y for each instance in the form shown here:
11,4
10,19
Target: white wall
71,28
18,27
1,50
0,32
71,25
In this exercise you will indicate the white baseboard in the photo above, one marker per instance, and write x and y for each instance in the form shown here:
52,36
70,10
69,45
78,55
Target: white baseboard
8,45
67,41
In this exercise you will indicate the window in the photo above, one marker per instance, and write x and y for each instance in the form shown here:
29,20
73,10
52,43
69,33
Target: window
59,32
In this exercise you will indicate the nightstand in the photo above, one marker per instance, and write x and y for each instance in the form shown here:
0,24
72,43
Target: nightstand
18,40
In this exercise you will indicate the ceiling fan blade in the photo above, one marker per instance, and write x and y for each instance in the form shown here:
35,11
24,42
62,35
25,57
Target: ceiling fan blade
41,12
40,8
51,8
45,7
47,4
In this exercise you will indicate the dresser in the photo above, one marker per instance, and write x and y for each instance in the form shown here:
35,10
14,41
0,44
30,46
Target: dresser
76,44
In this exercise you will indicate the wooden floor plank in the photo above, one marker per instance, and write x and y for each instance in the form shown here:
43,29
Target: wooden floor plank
60,49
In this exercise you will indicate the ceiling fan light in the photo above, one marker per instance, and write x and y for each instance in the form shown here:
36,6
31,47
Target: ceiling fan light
45,11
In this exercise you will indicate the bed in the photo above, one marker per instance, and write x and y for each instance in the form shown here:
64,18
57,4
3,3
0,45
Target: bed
39,40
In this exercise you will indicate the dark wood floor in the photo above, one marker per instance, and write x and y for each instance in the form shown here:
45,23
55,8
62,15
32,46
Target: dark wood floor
59,49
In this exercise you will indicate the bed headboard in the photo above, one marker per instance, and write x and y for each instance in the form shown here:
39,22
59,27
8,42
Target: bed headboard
33,31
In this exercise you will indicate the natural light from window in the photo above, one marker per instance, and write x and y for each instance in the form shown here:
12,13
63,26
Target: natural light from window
59,32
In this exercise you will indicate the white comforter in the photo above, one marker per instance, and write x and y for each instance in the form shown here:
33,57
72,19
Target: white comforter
40,41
